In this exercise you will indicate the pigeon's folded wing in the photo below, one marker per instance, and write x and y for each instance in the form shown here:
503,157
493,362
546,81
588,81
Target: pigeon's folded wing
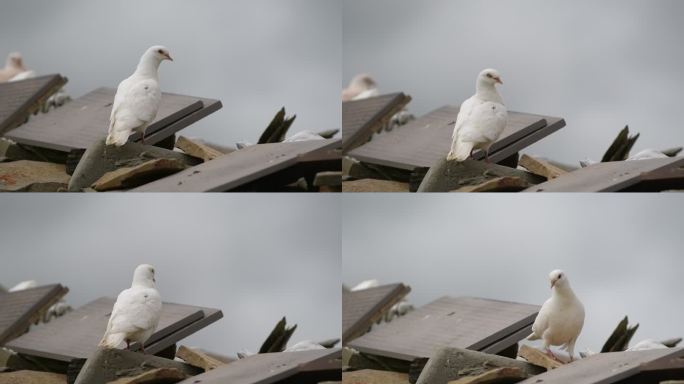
135,309
484,124
541,323
463,115
136,103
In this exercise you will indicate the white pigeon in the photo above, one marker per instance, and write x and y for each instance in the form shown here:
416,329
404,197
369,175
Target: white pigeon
303,136
361,87
28,284
136,312
647,154
29,74
561,318
366,284
306,345
647,344
137,98
13,66
480,120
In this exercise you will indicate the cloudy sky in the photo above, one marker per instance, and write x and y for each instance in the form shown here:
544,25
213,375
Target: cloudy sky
256,56
256,259
599,64
622,254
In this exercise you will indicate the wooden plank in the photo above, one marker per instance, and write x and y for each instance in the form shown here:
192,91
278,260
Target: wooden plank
209,106
604,368
238,168
360,309
76,334
607,177
269,368
18,310
82,122
463,322
18,99
540,167
211,316
422,142
362,118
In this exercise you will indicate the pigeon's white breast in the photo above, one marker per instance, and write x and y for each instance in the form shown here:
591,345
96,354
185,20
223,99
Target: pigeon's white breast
485,123
565,321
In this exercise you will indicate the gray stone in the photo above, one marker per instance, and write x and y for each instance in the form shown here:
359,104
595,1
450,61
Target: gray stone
448,364
369,376
13,361
373,185
13,151
107,365
157,375
354,359
131,177
32,176
447,175
100,159
329,178
32,377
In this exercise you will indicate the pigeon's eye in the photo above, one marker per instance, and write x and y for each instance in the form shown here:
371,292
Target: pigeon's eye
161,51
489,75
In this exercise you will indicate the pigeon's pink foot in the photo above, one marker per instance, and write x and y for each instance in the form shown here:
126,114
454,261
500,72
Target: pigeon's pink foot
548,352
142,347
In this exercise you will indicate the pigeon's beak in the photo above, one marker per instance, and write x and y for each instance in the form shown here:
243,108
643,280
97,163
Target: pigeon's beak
168,57
498,80
553,283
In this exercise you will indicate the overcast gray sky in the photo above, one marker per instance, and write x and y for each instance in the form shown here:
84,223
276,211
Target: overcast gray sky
254,55
622,254
599,64
255,258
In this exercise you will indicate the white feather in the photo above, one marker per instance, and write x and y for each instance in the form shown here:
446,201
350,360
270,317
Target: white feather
368,93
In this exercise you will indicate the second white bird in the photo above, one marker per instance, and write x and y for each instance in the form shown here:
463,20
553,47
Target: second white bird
561,318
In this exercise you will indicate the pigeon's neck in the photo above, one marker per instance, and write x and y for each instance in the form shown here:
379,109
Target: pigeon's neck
142,284
488,92
148,66
142,281
564,292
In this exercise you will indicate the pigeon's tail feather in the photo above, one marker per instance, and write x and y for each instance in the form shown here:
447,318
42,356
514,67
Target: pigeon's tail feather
116,138
533,336
112,341
460,150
